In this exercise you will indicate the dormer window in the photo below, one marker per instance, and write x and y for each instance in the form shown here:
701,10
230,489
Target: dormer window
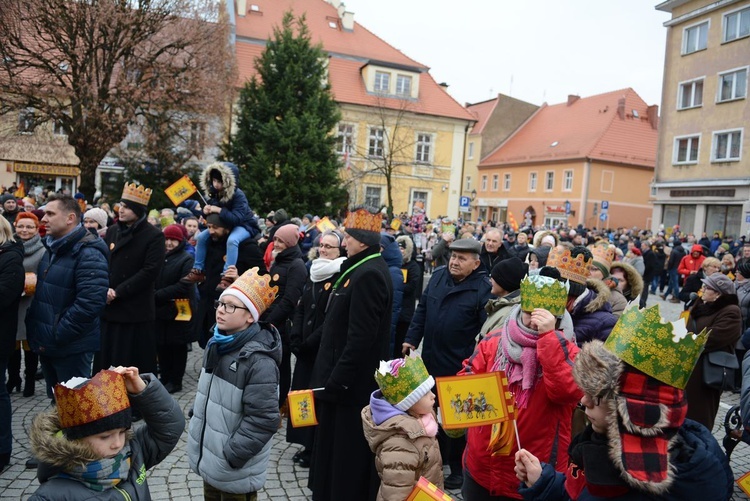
403,85
382,82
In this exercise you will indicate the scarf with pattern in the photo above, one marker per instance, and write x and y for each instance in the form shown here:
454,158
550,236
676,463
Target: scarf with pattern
516,355
102,474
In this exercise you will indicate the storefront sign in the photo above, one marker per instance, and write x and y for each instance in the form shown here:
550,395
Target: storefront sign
52,170
554,209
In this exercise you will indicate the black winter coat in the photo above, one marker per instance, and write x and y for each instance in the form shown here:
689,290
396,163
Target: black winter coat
136,258
412,290
289,273
12,277
488,260
649,267
177,264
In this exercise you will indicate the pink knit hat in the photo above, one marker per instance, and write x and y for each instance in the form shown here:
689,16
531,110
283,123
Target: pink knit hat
289,234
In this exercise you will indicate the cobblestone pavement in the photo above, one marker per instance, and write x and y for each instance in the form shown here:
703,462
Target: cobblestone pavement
173,480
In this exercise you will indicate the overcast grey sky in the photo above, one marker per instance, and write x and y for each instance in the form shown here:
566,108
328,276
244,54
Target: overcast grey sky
547,48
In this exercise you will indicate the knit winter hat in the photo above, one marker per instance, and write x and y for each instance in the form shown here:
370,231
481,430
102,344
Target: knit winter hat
97,215
90,406
175,232
216,220
744,268
404,381
508,273
289,234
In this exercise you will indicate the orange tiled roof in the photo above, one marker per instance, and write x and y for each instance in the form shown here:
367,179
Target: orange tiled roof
482,111
588,128
349,50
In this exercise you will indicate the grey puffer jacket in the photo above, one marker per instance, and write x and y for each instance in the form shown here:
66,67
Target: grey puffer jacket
236,413
149,445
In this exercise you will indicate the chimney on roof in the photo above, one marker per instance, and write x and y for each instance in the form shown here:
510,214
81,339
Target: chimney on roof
652,112
621,108
444,85
241,8
572,98
335,3
347,20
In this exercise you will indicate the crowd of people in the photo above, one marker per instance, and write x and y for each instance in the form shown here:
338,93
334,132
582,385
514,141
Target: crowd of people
101,300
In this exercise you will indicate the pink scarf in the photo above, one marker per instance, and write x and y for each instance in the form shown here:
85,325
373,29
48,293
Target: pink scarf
429,424
517,356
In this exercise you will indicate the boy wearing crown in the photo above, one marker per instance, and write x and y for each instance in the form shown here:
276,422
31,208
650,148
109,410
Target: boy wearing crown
86,448
401,428
537,359
236,409
639,444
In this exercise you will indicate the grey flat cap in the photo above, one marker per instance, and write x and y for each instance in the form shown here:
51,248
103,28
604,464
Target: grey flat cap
466,245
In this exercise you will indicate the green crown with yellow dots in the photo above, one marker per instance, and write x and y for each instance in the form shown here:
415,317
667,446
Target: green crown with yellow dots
664,350
543,292
403,381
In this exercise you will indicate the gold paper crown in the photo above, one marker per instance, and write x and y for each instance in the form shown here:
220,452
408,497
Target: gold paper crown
102,396
137,194
664,350
576,269
603,253
362,219
543,292
257,288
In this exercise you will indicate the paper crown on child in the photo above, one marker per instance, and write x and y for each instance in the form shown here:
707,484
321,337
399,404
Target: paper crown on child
137,194
603,254
575,269
89,406
254,290
538,291
665,351
362,219
403,381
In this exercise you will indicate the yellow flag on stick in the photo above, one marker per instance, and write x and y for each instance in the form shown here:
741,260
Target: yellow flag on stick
474,400
302,408
325,224
427,491
744,483
184,313
181,190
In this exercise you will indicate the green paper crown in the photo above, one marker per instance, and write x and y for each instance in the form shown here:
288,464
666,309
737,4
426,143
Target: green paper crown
408,377
664,350
543,292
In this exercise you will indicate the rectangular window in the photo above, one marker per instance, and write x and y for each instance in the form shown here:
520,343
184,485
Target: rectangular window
506,182
726,219
382,82
568,180
695,38
468,183
419,200
484,183
424,148
549,180
26,121
377,141
471,150
732,85
532,181
691,95
372,196
737,24
344,139
403,85
727,146
58,128
686,150
495,182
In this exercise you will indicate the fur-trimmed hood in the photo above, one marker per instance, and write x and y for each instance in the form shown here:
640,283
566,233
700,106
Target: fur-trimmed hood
602,295
539,235
230,176
635,280
408,247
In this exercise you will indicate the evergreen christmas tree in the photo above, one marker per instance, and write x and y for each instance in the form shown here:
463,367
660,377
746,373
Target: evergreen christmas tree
284,145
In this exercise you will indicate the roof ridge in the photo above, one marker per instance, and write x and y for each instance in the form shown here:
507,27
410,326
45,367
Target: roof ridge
496,98
427,68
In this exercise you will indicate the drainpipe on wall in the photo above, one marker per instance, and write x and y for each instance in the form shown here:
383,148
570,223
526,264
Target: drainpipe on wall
584,192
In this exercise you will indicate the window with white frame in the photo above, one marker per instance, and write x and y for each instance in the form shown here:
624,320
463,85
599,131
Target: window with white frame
686,149
403,85
468,183
695,38
506,182
372,196
495,182
382,81
344,138
471,150
691,95
484,183
376,142
568,180
424,148
732,85
58,128
727,145
549,180
532,181
737,24
26,123
419,199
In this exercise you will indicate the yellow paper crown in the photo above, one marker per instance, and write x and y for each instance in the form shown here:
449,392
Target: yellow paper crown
543,292
575,269
400,378
362,219
102,396
257,288
664,350
603,253
137,194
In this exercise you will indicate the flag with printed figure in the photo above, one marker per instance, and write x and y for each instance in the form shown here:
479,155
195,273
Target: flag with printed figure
184,313
325,224
744,483
427,491
302,408
180,190
474,400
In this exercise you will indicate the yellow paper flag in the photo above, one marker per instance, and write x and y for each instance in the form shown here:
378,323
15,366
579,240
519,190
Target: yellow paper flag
427,491
181,190
396,224
302,408
474,400
325,224
184,313
744,483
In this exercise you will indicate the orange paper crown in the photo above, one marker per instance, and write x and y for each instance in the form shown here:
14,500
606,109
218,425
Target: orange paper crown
137,194
256,288
603,253
101,397
362,219
575,269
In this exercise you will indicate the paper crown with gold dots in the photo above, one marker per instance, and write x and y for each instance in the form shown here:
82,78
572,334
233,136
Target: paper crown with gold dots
94,405
575,269
254,290
603,253
362,219
403,381
543,292
138,194
664,350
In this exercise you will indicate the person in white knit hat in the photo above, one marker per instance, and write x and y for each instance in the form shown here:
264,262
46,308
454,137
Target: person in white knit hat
95,220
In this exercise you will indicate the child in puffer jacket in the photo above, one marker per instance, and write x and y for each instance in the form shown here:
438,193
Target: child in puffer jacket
401,428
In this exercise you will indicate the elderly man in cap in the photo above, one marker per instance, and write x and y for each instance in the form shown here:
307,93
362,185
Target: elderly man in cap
447,321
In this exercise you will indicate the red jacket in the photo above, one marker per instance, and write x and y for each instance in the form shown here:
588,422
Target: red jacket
688,264
543,426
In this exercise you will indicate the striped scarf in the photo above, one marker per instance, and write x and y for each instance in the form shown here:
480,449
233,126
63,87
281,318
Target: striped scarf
102,474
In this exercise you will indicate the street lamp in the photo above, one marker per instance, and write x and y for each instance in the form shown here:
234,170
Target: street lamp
473,194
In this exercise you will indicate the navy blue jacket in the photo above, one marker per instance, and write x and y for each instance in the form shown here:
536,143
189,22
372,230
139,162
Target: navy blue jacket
235,209
448,320
71,293
392,256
